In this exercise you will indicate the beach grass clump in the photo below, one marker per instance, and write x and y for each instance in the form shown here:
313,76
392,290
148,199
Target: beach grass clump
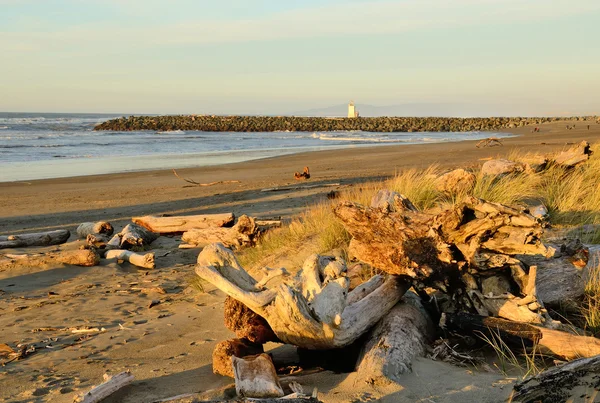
508,189
591,301
527,363
419,186
315,231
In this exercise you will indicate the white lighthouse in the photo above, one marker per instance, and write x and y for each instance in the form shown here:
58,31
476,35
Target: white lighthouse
352,112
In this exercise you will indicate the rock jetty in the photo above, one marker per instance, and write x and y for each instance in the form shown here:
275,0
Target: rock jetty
316,124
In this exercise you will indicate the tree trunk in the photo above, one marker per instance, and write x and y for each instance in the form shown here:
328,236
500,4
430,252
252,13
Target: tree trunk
554,342
35,239
180,224
80,257
145,261
94,228
400,336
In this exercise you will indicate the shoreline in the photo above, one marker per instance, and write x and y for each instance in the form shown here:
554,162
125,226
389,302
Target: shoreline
62,202
64,167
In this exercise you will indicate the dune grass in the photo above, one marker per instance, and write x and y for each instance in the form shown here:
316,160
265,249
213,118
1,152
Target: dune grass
571,195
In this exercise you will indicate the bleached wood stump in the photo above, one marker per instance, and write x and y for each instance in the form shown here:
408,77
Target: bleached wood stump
315,310
145,261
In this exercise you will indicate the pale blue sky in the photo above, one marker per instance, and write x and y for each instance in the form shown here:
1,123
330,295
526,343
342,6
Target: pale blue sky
519,57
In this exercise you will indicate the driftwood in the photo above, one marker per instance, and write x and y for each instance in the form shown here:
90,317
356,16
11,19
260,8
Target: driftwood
134,235
81,257
255,377
570,382
145,261
575,155
314,311
452,251
245,323
101,241
225,350
243,233
95,228
305,174
193,182
36,239
400,336
489,142
548,341
285,188
179,224
111,385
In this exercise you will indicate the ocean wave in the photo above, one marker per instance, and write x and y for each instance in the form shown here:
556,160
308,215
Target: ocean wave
3,127
172,132
361,139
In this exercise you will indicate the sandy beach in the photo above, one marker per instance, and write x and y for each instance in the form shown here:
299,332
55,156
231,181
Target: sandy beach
168,347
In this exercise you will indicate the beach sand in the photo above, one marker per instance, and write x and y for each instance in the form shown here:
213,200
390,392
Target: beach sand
168,347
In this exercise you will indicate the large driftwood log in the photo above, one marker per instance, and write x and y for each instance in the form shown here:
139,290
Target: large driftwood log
311,312
134,235
179,224
553,342
570,382
81,257
36,239
452,251
145,261
94,228
243,233
574,155
111,385
394,342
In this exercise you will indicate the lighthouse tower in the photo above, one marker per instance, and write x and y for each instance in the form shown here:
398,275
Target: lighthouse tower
352,112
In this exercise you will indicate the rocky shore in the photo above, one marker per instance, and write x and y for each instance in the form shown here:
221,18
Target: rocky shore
311,124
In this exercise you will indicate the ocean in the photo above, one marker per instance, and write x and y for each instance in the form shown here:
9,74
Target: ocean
48,145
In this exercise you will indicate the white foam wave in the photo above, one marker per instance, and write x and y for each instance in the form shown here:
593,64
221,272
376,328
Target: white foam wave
172,132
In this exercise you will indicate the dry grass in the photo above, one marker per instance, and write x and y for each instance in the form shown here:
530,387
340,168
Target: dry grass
528,363
591,302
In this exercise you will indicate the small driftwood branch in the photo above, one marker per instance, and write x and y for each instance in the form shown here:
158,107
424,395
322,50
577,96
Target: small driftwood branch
35,239
193,182
489,142
111,385
284,188
145,261
179,224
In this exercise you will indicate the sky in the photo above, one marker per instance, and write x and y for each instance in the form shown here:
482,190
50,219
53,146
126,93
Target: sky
484,57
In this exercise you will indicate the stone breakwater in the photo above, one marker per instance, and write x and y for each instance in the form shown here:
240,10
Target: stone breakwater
317,124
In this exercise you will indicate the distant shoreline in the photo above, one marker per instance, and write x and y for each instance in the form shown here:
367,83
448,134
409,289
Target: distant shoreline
313,124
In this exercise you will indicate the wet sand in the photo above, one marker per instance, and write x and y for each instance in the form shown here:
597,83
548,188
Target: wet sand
168,347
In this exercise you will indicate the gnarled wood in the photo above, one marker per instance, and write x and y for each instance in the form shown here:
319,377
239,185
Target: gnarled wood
180,224
94,228
553,342
313,312
243,233
35,239
574,155
81,257
145,261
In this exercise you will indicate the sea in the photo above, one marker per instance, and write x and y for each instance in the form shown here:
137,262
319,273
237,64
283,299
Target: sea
49,145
